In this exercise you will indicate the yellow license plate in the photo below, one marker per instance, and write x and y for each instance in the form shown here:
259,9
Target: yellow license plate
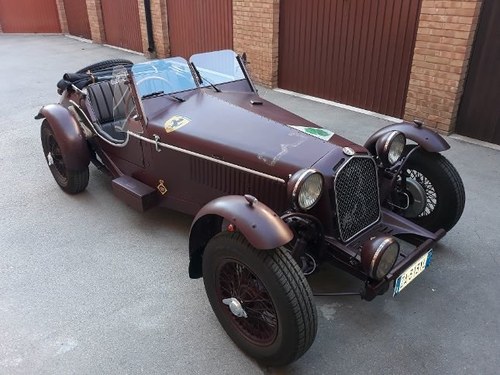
412,272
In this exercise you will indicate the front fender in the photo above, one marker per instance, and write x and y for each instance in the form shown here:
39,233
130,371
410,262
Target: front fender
260,225
428,139
68,134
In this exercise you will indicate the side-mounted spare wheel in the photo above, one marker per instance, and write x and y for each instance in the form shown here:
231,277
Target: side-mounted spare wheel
71,181
260,297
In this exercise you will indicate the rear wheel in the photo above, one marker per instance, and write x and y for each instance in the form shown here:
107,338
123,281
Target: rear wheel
261,299
436,195
71,181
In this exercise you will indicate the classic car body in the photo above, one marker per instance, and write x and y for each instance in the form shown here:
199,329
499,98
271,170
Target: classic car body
274,195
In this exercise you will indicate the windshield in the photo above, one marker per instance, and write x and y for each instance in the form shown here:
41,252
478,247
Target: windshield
217,67
167,76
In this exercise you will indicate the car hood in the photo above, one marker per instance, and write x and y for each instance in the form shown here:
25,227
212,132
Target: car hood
228,127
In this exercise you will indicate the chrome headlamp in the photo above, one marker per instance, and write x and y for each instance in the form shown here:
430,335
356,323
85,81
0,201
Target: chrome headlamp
390,147
378,256
306,188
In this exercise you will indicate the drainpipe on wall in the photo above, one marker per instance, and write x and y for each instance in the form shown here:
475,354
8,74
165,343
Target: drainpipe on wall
149,28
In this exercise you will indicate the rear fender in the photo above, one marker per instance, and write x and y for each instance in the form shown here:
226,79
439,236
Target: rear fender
260,225
428,139
68,134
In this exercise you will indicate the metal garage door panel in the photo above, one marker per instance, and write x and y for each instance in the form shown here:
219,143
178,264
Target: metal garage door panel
479,113
28,16
77,17
199,26
122,26
357,52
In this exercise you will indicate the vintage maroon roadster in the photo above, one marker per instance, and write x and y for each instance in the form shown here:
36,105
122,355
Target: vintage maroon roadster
274,195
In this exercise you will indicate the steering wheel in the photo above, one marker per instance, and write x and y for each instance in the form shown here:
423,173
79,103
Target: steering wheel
169,87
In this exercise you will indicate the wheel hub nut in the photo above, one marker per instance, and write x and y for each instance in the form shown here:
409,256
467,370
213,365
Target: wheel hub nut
235,307
419,201
50,159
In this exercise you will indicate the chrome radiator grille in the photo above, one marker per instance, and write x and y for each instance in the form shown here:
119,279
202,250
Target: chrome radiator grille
356,196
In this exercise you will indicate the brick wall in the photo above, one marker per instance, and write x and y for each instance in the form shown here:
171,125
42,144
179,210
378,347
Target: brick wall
160,28
95,19
255,31
443,45
144,32
444,40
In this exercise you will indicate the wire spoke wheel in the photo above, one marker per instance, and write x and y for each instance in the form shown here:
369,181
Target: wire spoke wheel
430,196
260,297
234,280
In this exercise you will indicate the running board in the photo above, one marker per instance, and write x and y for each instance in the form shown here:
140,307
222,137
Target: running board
135,193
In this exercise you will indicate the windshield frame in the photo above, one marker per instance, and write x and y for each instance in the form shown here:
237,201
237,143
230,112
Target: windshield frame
167,77
167,73
205,69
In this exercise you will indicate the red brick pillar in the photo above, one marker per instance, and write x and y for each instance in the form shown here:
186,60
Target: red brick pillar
62,16
160,28
255,31
144,32
444,39
95,19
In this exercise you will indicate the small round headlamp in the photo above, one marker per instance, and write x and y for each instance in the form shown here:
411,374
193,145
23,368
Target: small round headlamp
378,256
390,147
306,188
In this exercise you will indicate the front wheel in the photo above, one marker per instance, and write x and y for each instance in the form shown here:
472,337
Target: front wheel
435,191
261,299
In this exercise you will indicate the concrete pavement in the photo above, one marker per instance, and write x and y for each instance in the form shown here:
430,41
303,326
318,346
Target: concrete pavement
89,286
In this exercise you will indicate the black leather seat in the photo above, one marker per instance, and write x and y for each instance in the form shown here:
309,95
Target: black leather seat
108,103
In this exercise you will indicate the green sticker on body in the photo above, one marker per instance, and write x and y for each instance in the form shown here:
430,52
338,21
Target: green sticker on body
320,133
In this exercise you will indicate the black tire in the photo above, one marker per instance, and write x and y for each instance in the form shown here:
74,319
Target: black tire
443,187
70,181
281,320
106,64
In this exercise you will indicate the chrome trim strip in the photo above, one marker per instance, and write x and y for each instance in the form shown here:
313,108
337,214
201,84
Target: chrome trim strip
389,140
302,177
192,153
337,203
377,253
298,185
